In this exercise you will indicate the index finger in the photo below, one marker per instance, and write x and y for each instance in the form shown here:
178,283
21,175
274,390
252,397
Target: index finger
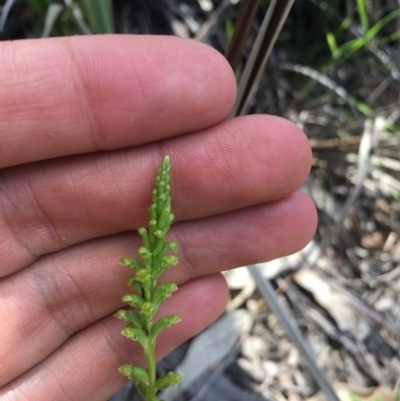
66,96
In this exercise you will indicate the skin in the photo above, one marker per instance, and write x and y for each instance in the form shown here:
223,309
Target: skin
84,123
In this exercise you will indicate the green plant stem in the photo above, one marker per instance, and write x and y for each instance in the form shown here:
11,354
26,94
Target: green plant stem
151,366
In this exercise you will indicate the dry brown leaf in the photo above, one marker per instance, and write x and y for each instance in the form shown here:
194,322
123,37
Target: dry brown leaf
329,298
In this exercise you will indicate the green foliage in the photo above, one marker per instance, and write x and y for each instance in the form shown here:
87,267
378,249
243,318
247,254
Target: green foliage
229,26
99,15
71,17
39,7
348,49
363,13
148,296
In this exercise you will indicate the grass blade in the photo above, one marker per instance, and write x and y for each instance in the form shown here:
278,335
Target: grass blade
6,9
80,20
380,24
348,49
331,40
99,15
363,13
53,12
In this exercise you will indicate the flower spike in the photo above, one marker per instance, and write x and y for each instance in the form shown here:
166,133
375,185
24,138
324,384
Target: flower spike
154,258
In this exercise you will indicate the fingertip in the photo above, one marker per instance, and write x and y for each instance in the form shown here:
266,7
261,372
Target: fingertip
301,145
215,84
287,143
295,144
308,218
295,221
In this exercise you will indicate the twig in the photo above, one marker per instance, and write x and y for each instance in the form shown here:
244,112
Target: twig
266,38
241,32
293,332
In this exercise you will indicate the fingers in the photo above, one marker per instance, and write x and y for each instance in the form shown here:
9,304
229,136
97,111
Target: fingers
241,162
65,96
85,368
69,290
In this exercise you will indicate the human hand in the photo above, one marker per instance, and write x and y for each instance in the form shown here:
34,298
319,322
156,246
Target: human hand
84,123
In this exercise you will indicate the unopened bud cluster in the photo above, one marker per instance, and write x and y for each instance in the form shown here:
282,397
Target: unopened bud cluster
147,296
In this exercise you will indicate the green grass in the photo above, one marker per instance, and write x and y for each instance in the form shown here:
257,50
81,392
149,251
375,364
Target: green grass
69,17
99,15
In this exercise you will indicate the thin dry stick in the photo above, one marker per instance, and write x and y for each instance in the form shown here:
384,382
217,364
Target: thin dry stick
293,332
241,32
363,170
266,38
323,80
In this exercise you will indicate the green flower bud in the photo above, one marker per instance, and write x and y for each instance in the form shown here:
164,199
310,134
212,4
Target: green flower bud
126,370
168,261
134,284
142,275
120,314
159,234
163,292
173,319
144,253
171,260
173,246
165,164
133,300
145,235
130,317
135,335
139,374
146,309
135,373
132,263
169,380
164,323
126,261
142,231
